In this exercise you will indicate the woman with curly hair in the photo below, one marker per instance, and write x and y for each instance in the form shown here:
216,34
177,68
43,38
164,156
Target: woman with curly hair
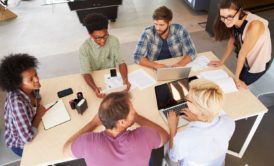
22,112
249,37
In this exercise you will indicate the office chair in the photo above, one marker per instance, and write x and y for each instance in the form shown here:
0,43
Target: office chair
264,85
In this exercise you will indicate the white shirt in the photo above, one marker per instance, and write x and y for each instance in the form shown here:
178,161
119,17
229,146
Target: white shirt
203,143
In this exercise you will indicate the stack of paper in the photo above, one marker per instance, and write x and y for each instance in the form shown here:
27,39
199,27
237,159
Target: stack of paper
57,114
221,78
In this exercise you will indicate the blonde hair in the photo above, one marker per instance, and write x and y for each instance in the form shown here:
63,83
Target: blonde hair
207,97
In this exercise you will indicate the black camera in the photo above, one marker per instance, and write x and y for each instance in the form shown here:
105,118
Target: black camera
73,103
80,104
80,95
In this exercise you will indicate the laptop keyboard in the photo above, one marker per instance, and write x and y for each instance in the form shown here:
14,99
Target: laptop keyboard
176,108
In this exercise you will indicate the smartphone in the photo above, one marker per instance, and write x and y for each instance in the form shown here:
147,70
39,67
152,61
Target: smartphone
113,73
36,94
64,92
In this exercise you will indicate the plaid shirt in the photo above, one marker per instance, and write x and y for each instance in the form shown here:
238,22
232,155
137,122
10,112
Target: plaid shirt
18,115
150,43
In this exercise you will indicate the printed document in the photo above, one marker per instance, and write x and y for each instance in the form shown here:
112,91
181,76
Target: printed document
138,78
221,78
199,63
115,84
141,79
57,114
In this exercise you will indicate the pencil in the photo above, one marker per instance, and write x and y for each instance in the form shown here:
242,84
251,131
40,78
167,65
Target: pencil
52,105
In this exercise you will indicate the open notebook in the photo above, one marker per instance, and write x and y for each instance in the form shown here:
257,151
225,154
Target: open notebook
221,78
56,115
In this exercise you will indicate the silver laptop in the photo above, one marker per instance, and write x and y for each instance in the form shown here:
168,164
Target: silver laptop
172,73
171,96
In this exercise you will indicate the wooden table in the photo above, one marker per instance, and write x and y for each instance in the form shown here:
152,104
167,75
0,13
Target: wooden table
48,144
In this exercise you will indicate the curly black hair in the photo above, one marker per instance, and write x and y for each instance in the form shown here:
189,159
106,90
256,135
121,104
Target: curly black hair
11,68
95,22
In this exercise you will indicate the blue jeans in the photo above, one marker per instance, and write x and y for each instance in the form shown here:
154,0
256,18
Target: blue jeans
17,151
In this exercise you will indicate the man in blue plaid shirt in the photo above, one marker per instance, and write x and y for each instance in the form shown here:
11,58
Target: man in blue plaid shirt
164,40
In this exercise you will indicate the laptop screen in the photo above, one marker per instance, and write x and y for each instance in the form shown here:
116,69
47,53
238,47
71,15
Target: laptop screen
172,93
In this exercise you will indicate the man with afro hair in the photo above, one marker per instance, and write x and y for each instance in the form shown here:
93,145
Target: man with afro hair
100,51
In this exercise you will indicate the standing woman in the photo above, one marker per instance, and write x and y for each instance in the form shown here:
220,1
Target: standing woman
22,112
249,36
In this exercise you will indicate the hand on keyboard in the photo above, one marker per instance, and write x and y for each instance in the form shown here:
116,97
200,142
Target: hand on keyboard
172,120
190,116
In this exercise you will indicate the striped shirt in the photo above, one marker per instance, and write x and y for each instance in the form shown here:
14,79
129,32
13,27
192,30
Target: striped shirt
150,43
18,115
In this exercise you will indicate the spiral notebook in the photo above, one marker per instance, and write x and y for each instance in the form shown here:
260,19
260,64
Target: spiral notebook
56,115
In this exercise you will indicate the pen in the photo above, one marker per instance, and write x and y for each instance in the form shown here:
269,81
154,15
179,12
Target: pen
52,105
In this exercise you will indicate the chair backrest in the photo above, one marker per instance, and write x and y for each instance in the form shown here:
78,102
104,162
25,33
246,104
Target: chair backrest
264,85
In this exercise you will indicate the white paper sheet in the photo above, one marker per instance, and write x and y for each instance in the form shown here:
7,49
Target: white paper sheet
141,79
221,78
199,63
214,74
55,115
115,84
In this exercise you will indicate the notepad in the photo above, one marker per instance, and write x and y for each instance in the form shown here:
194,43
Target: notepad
221,78
56,115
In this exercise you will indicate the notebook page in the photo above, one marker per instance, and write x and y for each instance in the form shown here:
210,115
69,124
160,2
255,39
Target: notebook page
55,115
221,78
214,74
227,84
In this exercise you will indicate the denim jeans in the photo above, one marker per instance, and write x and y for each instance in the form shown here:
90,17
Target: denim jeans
17,151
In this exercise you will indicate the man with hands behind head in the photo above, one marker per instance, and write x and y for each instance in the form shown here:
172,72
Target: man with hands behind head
117,145
100,51
164,40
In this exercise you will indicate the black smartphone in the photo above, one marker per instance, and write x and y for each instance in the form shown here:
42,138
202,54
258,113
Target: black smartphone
36,94
64,92
113,73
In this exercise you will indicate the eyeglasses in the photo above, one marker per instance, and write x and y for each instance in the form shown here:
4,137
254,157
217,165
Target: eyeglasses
98,38
228,18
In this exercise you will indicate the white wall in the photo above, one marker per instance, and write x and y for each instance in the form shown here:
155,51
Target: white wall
2,100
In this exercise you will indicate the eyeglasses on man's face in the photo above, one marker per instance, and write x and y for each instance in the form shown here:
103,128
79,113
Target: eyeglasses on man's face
229,17
99,38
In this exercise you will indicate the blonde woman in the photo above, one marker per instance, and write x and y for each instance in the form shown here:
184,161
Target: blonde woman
205,139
